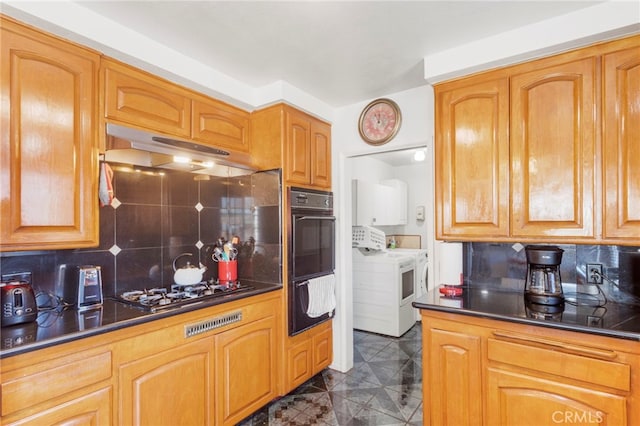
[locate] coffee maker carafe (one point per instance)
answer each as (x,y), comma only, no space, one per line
(543,284)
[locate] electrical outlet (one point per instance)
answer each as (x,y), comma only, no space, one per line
(594,273)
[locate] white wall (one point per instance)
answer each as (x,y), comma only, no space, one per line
(417,127)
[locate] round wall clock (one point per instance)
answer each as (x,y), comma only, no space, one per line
(379,121)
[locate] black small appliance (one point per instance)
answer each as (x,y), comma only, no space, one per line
(543,284)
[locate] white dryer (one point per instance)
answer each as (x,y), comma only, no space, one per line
(383,291)
(422,271)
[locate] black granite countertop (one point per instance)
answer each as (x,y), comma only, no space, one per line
(583,314)
(56,327)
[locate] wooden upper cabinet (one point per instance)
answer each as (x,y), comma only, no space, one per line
(320,154)
(135,97)
(298,149)
(621,144)
(472,159)
(307,150)
(220,125)
(48,140)
(553,136)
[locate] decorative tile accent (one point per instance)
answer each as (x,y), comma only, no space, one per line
(199,207)
(115,203)
(115,250)
(199,245)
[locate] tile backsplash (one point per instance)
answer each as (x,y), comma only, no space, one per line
(501,265)
(157,216)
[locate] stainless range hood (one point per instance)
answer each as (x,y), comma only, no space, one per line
(135,147)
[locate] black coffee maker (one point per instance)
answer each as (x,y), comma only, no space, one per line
(543,284)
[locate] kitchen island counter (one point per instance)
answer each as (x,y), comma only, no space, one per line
(610,319)
(54,327)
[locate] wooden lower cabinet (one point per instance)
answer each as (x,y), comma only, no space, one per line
(489,372)
(91,409)
(454,361)
(171,387)
(246,368)
(213,366)
(307,354)
(516,398)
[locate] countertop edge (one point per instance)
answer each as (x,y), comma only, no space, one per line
(528,321)
(144,317)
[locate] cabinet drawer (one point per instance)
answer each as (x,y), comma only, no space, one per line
(30,386)
(561,359)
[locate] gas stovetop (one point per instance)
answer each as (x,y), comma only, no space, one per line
(159,298)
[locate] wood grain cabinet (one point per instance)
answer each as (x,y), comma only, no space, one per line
(453,362)
(246,369)
(518,150)
(472,159)
(134,97)
(489,372)
(171,387)
(285,137)
(307,151)
(218,124)
(48,139)
(307,354)
(621,150)
(211,366)
(78,388)
(553,136)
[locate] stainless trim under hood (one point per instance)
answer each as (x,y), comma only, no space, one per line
(140,148)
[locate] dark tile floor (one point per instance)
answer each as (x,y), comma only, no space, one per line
(384,387)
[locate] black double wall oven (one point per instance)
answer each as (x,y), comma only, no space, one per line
(311,253)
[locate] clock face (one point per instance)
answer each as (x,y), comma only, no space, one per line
(379,121)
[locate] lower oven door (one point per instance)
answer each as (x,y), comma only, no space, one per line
(299,321)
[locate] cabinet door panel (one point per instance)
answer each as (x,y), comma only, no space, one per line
(241,390)
(220,125)
(299,360)
(322,349)
(621,119)
(181,375)
(553,130)
(454,370)
(518,399)
(472,156)
(142,100)
(49,157)
(298,164)
(91,409)
(321,155)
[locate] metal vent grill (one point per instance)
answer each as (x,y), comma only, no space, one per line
(204,326)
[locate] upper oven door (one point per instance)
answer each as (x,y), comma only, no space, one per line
(313,245)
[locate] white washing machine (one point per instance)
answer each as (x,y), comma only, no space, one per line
(422,271)
(383,290)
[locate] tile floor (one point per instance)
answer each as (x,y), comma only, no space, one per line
(384,387)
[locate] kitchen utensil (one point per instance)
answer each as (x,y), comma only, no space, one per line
(543,284)
(188,274)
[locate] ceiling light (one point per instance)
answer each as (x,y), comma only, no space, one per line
(181,159)
(419,155)
(208,164)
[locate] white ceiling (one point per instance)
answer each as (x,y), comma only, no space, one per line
(338,52)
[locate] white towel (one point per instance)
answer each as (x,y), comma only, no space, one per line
(322,298)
